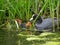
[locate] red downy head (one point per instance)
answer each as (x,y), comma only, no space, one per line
(28,24)
(18,21)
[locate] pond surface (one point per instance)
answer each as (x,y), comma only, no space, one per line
(13,38)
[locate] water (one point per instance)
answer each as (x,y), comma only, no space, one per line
(12,38)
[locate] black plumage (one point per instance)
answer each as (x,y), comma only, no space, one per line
(42,24)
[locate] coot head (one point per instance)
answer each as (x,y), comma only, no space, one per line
(38,20)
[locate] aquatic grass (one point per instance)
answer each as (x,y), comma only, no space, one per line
(52,5)
(57,13)
(24,8)
(41,11)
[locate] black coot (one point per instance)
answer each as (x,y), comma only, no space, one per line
(43,24)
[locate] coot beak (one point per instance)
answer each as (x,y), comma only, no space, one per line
(31,19)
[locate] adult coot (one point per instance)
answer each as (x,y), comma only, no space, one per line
(43,24)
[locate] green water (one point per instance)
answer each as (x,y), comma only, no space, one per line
(13,38)
(8,38)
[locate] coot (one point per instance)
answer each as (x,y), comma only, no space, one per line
(43,24)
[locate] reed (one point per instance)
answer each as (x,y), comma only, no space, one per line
(24,8)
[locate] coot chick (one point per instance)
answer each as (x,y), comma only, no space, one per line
(23,25)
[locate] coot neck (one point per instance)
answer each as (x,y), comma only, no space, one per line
(39,20)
